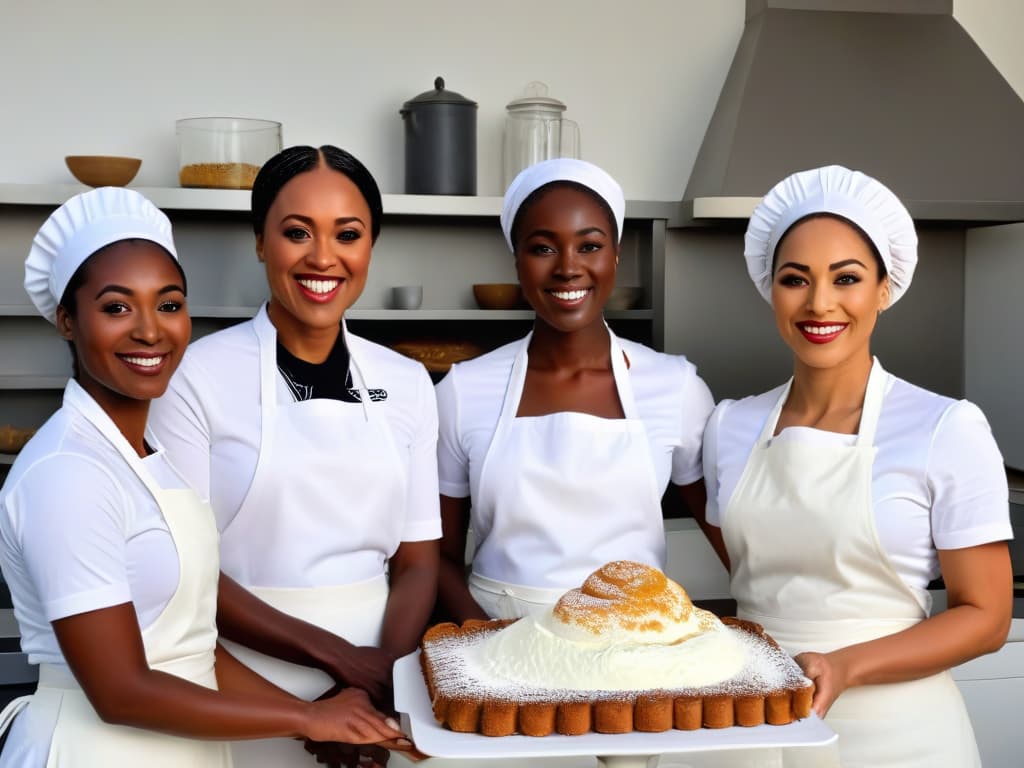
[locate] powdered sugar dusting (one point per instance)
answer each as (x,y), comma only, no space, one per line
(767,669)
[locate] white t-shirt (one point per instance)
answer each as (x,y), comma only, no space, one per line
(209,421)
(937,481)
(79,530)
(673,402)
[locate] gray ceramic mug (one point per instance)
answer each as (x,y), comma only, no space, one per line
(407,296)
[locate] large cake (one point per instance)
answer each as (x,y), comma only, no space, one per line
(626,651)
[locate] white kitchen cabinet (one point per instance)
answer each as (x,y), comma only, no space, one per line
(993,689)
(443,243)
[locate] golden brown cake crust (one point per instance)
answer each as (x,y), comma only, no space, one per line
(467,708)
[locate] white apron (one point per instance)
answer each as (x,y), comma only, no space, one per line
(59,727)
(328,475)
(560,495)
(808,565)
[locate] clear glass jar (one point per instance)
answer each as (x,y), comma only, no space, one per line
(224,152)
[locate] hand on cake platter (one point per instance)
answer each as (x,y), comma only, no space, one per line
(350,718)
(829,676)
(363,667)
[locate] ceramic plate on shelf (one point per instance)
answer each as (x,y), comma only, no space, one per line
(429,737)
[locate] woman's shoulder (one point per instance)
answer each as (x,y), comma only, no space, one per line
(643,357)
(752,409)
(67,447)
(916,409)
(488,367)
(219,345)
(384,360)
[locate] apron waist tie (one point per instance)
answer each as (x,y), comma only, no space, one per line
(504,600)
(518,591)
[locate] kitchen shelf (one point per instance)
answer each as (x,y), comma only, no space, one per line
(32,381)
(18,310)
(237,200)
(443,243)
(707,210)
(7,458)
(244,313)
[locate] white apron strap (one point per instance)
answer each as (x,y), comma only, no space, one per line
(623,384)
(11,711)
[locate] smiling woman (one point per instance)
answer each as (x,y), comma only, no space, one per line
(557,449)
(126,340)
(886,485)
(110,557)
(317,450)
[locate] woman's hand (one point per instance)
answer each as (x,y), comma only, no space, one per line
(829,676)
(361,666)
(350,718)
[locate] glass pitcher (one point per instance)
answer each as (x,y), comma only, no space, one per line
(535,130)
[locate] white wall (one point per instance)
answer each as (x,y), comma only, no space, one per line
(642,77)
(111,77)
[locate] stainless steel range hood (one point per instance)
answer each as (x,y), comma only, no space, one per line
(895,88)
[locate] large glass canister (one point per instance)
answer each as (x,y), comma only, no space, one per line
(535,130)
(224,152)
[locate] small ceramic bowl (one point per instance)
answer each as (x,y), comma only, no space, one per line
(103,170)
(624,297)
(407,296)
(497,295)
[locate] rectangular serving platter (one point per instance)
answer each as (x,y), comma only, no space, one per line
(430,737)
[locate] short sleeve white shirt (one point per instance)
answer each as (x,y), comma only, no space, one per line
(79,530)
(937,480)
(209,421)
(672,400)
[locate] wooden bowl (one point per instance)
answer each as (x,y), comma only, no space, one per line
(103,170)
(13,439)
(497,295)
(436,355)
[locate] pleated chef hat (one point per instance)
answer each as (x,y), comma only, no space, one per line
(581,172)
(850,194)
(79,228)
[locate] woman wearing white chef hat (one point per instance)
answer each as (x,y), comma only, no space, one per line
(316,448)
(843,493)
(556,449)
(110,558)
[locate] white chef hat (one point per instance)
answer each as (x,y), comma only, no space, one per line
(837,190)
(580,172)
(79,228)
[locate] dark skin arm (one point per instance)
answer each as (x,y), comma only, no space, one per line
(244,618)
(104,650)
(453,592)
(695,497)
(413,576)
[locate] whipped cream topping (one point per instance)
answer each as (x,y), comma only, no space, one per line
(545,652)
(627,628)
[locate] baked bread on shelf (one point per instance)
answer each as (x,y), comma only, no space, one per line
(626,651)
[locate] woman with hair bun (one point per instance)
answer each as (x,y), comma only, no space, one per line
(316,448)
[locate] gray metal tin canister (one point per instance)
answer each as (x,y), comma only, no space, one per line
(440,143)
